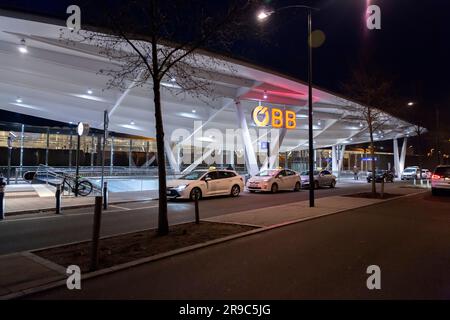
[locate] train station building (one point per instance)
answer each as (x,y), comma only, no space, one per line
(253,118)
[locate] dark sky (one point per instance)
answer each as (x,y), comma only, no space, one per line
(413,46)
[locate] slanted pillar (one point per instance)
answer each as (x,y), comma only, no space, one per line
(403,155)
(250,156)
(399,159)
(170,157)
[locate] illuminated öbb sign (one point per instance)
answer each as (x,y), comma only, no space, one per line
(277,118)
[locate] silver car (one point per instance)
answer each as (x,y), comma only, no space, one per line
(321,179)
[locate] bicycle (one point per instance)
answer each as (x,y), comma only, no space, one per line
(84,186)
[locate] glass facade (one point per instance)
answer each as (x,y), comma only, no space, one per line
(32,146)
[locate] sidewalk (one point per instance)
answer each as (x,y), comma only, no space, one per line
(282,214)
(20,273)
(30,198)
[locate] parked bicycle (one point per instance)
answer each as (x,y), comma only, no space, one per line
(84,186)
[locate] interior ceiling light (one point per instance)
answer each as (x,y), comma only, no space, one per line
(194,111)
(89,91)
(265,95)
(132,123)
(23,47)
(19,100)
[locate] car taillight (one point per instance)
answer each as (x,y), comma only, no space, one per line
(435,177)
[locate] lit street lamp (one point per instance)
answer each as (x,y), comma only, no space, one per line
(262,15)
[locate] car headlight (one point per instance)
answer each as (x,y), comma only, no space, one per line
(181,187)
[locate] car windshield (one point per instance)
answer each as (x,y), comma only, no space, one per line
(443,171)
(410,170)
(194,175)
(267,173)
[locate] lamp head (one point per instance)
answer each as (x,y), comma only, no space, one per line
(263,15)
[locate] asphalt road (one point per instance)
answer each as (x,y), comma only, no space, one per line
(39,231)
(408,239)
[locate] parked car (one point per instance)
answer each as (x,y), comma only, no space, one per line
(426,174)
(440,180)
(205,183)
(274,180)
(321,179)
(381,175)
(410,173)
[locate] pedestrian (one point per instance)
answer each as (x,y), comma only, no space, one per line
(355,173)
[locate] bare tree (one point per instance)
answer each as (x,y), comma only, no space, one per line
(155,41)
(371,91)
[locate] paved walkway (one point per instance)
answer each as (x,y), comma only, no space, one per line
(300,210)
(33,272)
(29,198)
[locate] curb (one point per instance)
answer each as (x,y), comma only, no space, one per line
(175,252)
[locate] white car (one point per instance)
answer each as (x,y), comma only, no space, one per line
(410,173)
(426,174)
(273,180)
(321,179)
(205,183)
(440,180)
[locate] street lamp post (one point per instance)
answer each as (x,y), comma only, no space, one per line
(262,15)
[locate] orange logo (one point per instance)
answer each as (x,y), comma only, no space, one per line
(262,116)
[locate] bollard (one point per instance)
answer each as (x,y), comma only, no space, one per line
(96,233)
(105,195)
(2,199)
(58,199)
(197,214)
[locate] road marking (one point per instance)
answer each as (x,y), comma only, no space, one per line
(119,207)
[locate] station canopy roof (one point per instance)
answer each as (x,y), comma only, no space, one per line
(53,78)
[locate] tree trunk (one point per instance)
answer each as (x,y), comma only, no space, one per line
(163,223)
(372,155)
(419,151)
(372,152)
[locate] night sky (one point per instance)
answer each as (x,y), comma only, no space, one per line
(412,48)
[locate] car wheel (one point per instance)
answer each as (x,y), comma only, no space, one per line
(235,190)
(274,188)
(333,184)
(297,186)
(195,192)
(316,184)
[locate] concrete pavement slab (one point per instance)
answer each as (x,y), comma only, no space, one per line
(22,271)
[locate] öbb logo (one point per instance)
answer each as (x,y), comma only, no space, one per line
(277,118)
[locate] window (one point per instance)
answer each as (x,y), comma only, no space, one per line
(282,173)
(212,175)
(325,172)
(194,175)
(225,174)
(290,173)
(443,171)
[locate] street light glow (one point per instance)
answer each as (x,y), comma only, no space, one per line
(262,15)
(410,104)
